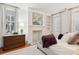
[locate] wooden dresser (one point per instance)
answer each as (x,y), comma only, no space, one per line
(13,41)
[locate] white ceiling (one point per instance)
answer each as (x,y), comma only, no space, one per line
(46,7)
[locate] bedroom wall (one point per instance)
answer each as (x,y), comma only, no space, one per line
(65,26)
(51,8)
(23,20)
(68,17)
(67,20)
(74,17)
(32,27)
(1,41)
(23,16)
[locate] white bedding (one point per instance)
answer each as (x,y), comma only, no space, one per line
(66,45)
(60,49)
(64,49)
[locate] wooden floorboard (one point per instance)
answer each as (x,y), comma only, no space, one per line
(2,52)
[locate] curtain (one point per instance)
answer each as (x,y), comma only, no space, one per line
(75,21)
(56,23)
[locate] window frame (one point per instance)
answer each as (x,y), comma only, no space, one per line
(73,15)
(10,14)
(59,16)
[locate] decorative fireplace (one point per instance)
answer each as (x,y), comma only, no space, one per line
(37,34)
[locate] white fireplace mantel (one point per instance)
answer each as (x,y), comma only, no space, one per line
(36,31)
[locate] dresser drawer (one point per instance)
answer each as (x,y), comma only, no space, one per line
(13,41)
(8,47)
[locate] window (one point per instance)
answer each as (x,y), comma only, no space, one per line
(56,23)
(10,21)
(75,21)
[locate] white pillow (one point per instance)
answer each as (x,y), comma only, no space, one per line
(67,36)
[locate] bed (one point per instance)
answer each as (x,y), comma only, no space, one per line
(61,48)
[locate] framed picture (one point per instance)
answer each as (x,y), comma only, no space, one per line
(37,19)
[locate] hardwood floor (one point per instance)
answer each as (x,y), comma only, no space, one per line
(2,52)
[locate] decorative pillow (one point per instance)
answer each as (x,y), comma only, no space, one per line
(66,37)
(60,36)
(48,40)
(74,39)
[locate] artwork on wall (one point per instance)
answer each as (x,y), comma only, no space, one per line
(37,19)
